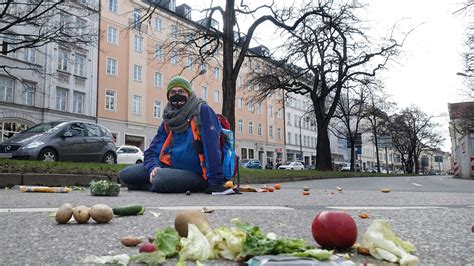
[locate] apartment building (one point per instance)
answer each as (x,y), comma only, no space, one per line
(135,64)
(49,82)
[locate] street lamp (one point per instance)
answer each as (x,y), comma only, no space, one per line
(301,143)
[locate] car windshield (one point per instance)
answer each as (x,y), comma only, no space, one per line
(47,127)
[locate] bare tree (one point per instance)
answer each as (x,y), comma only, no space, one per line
(349,116)
(377,108)
(331,48)
(413,132)
(34,24)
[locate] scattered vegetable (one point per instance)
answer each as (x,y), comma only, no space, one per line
(385,190)
(131,241)
(104,188)
(383,244)
(363,215)
(339,189)
(362,250)
(334,229)
(229,184)
(270,189)
(147,248)
(81,214)
(277,186)
(64,213)
(305,193)
(305,188)
(195,217)
(134,209)
(101,213)
(188,193)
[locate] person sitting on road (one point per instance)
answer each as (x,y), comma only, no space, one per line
(185,154)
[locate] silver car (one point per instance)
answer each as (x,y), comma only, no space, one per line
(62,141)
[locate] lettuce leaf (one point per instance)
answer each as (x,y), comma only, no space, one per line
(383,244)
(166,241)
(195,246)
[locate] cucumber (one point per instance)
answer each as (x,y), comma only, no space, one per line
(134,209)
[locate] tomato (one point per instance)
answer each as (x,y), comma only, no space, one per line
(334,230)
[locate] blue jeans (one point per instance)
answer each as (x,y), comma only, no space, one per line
(167,180)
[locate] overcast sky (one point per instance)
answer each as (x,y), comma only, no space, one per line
(425,75)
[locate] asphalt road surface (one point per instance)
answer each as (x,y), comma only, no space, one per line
(435,213)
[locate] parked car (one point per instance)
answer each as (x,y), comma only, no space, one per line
(292,166)
(251,164)
(347,167)
(129,155)
(62,141)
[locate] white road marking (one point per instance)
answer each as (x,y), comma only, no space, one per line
(385,207)
(168,208)
(416,184)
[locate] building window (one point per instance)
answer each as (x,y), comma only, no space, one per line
(270,111)
(217,96)
(259,129)
(259,108)
(203,68)
(61,99)
(216,73)
(250,107)
(138,43)
(158,24)
(137,104)
(112,35)
(81,26)
(111,68)
(158,80)
(174,57)
(113,6)
(78,102)
(240,102)
(189,63)
(204,92)
(79,64)
(250,128)
(137,19)
(30,55)
(28,94)
(270,131)
(110,100)
(156,109)
(288,119)
(240,126)
(174,31)
(64,21)
(137,73)
(251,154)
(63,56)
(243,153)
(6,89)
(158,51)
(296,139)
(289,138)
(279,133)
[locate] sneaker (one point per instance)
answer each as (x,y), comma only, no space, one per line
(215,188)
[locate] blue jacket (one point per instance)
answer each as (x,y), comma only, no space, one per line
(183,155)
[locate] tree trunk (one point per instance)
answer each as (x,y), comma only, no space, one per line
(228,76)
(323,148)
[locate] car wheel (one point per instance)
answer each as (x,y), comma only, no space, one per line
(109,158)
(138,161)
(48,155)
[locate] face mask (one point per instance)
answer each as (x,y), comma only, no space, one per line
(178,100)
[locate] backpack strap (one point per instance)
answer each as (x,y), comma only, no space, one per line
(197,117)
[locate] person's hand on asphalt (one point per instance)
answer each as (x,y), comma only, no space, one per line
(153,174)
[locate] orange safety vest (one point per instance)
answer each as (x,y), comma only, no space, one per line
(166,158)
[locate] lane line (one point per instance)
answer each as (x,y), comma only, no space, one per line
(166,208)
(416,184)
(385,207)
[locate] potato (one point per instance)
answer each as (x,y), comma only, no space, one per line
(101,213)
(81,214)
(195,217)
(64,213)
(130,241)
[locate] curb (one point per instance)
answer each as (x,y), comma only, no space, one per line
(33,179)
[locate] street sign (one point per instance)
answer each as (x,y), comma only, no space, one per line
(438,158)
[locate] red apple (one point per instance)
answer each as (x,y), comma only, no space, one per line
(147,248)
(334,230)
